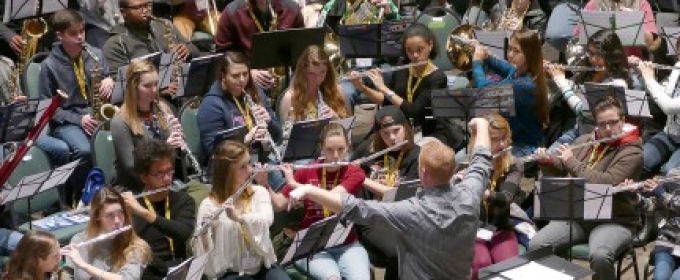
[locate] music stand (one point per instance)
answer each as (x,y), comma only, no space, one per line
(20,9)
(166,69)
(327,233)
(627,25)
(35,184)
(634,102)
(378,40)
(671,34)
(201,72)
(121,76)
(403,191)
(571,199)
(17,119)
(303,140)
(235,134)
(467,103)
(495,41)
(543,257)
(179,272)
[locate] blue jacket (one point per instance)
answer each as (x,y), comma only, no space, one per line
(57,73)
(527,129)
(219,112)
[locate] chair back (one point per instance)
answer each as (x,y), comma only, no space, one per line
(441,21)
(103,152)
(35,161)
(30,78)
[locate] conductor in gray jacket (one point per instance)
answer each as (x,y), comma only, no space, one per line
(436,229)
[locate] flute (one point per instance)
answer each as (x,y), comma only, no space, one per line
(272,168)
(103,237)
(213,217)
(139,195)
(535,157)
(574,68)
(364,74)
(673,174)
(660,66)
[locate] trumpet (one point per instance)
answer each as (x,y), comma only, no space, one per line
(103,237)
(261,122)
(360,161)
(203,227)
(364,74)
(549,153)
(192,159)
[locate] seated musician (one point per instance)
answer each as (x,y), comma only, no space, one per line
(314,92)
(225,107)
(143,34)
(100,17)
(239,237)
(122,257)
(524,71)
(165,220)
(350,260)
(663,147)
(610,162)
(409,89)
(190,19)
(141,117)
(343,11)
(71,67)
(37,257)
(604,50)
(399,165)
(504,185)
(425,225)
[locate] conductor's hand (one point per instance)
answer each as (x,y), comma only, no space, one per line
(17,44)
(300,192)
(262,78)
(89,124)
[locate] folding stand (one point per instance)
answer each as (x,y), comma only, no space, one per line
(627,25)
(36,184)
(327,233)
(635,102)
(473,102)
(571,200)
(403,191)
(17,120)
(20,9)
(671,34)
(121,76)
(543,257)
(190,269)
(303,140)
(372,40)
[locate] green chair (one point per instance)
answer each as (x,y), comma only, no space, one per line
(30,78)
(103,152)
(441,26)
(187,119)
(203,41)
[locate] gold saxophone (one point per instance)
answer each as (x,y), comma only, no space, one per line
(509,16)
(278,73)
(171,41)
(31,32)
(100,110)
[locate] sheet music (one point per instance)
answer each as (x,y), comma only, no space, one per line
(597,202)
(339,235)
(637,103)
(178,272)
(493,40)
(165,70)
(628,26)
(535,271)
(197,266)
(41,182)
(672,34)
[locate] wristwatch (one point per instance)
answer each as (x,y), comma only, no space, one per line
(388,95)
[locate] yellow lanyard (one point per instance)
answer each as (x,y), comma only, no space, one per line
(257,22)
(392,171)
(79,69)
(167,216)
(312,110)
(326,212)
(245,112)
(348,7)
(246,209)
(410,91)
(595,157)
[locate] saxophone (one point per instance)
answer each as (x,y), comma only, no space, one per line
(167,116)
(31,32)
(171,41)
(260,122)
(100,111)
(362,12)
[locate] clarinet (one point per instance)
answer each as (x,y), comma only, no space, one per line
(185,148)
(261,122)
(203,227)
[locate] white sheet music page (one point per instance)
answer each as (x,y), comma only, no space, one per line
(339,235)
(197,266)
(535,271)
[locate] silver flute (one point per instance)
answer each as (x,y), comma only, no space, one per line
(261,122)
(575,68)
(209,220)
(672,175)
(103,237)
(271,168)
(549,153)
(185,148)
(364,74)
(142,194)
(660,66)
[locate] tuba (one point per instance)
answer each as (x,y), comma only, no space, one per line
(32,31)
(100,110)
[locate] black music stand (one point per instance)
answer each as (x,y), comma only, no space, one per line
(201,72)
(543,257)
(17,119)
(303,140)
(372,40)
(35,184)
(495,41)
(20,9)
(327,233)
(235,134)
(571,199)
(166,69)
(468,103)
(635,102)
(403,191)
(627,25)
(671,35)
(121,76)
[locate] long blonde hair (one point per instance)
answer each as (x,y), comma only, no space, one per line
(225,159)
(501,164)
(314,55)
(129,109)
(127,246)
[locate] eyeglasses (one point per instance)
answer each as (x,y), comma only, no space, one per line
(160,175)
(140,7)
(606,124)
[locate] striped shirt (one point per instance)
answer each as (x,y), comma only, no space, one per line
(436,229)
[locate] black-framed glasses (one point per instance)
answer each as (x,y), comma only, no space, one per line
(160,175)
(146,6)
(610,123)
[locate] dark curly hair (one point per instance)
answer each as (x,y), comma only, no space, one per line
(150,151)
(610,48)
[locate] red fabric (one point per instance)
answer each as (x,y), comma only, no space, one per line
(503,245)
(351,178)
